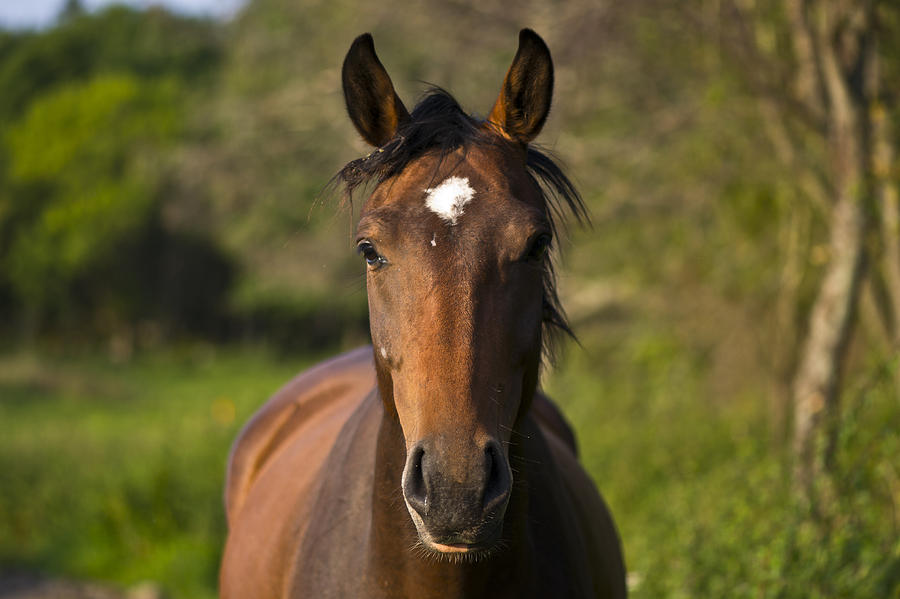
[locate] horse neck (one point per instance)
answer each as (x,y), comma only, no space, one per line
(399,565)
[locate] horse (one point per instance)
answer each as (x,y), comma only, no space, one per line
(430,464)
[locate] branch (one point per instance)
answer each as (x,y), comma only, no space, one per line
(813,186)
(767,76)
(886,193)
(808,82)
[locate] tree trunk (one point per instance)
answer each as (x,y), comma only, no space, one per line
(889,209)
(816,384)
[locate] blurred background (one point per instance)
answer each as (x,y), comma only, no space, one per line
(169,258)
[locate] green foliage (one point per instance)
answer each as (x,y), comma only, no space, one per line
(148,44)
(91,110)
(76,150)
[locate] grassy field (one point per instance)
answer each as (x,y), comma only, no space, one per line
(114,472)
(700,486)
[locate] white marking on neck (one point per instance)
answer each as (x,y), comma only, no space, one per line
(448,199)
(433,239)
(383,353)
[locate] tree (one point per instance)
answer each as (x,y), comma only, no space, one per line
(78,185)
(91,111)
(70,10)
(813,64)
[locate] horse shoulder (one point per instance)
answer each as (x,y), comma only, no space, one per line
(595,519)
(294,406)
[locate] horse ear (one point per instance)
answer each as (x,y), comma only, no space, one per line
(372,103)
(524,101)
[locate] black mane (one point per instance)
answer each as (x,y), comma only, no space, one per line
(438,124)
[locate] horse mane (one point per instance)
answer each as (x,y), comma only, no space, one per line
(438,125)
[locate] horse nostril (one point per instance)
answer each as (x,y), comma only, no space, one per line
(414,488)
(497,487)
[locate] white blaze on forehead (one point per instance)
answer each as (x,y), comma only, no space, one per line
(448,199)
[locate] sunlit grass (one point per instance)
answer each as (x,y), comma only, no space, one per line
(115,472)
(700,487)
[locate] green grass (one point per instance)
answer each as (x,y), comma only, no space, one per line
(115,472)
(700,486)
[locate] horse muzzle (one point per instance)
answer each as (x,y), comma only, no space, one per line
(457,499)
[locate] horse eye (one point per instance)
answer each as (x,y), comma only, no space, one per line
(538,248)
(373,258)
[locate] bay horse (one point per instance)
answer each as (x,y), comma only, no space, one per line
(429,464)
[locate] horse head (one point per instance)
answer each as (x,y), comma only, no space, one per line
(455,236)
